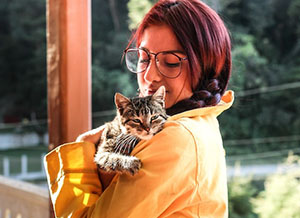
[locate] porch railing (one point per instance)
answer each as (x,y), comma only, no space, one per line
(19,199)
(25,172)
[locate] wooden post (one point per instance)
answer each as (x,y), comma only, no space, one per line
(68,69)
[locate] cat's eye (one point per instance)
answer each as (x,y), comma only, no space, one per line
(129,111)
(154,117)
(136,120)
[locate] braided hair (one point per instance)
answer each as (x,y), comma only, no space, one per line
(209,95)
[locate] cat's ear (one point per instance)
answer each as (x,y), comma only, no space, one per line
(160,95)
(121,101)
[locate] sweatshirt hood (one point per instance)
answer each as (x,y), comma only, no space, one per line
(225,103)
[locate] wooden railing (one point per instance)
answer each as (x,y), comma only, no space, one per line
(22,200)
(25,173)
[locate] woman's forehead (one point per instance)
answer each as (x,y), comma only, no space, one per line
(156,38)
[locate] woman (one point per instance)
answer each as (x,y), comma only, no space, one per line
(184,171)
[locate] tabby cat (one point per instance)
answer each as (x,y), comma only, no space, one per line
(137,118)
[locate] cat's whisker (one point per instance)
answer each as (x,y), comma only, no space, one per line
(117,144)
(123,143)
(132,138)
(117,148)
(131,144)
(137,140)
(124,147)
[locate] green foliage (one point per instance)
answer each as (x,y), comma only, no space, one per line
(108,54)
(106,83)
(23,58)
(247,63)
(281,195)
(265,38)
(240,192)
(108,72)
(109,42)
(137,10)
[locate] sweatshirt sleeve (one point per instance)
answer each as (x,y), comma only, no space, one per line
(72,178)
(166,180)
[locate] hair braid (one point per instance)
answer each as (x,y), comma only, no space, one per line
(209,94)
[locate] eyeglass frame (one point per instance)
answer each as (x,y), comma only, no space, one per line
(155,56)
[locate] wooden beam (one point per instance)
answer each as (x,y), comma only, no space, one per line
(68,69)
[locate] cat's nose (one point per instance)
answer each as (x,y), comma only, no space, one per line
(147,129)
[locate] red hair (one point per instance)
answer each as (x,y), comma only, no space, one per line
(203,36)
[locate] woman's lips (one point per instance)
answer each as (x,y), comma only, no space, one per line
(151,91)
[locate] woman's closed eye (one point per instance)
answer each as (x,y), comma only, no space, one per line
(171,65)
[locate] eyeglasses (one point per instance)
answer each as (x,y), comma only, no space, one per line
(168,63)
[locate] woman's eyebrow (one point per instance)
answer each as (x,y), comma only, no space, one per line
(170,51)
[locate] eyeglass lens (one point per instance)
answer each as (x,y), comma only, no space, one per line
(168,64)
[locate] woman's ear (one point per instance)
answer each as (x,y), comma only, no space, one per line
(160,95)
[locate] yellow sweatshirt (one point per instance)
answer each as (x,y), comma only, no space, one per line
(183,174)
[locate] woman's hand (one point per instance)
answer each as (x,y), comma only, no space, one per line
(93,136)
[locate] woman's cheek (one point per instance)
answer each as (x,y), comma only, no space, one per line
(140,84)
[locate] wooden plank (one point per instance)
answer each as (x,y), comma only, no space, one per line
(25,199)
(68,69)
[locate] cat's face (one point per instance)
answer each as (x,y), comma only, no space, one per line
(142,116)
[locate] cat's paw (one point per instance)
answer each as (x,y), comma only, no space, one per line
(134,166)
(111,162)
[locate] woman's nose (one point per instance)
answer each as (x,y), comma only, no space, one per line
(152,74)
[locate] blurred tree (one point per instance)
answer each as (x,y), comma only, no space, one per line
(265,38)
(104,82)
(23,59)
(281,195)
(110,37)
(240,193)
(137,10)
